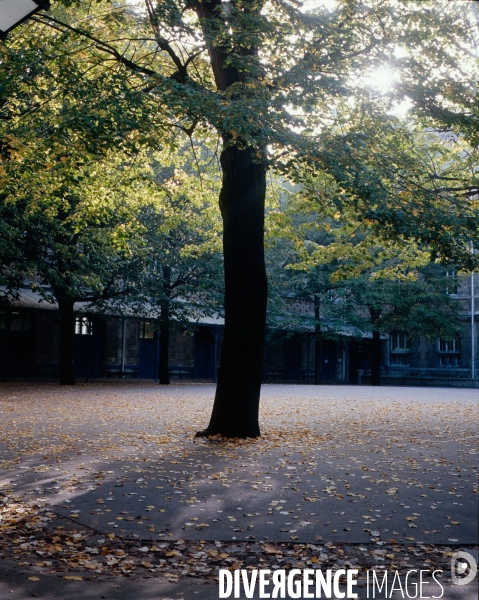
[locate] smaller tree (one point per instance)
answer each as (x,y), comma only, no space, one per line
(67,211)
(184,266)
(291,277)
(78,243)
(357,282)
(417,303)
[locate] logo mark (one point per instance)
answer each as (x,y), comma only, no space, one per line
(463,568)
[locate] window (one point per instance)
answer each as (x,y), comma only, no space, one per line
(451,287)
(147,330)
(399,359)
(449,361)
(17,321)
(83,326)
(399,342)
(449,346)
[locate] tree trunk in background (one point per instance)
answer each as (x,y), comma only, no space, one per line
(163,371)
(242,197)
(317,343)
(67,341)
(376,359)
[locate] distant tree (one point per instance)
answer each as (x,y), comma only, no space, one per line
(314,284)
(78,243)
(356,283)
(417,303)
(67,219)
(184,265)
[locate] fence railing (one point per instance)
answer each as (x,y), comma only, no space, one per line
(443,367)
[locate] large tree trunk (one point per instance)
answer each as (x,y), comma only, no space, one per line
(67,341)
(376,359)
(163,371)
(236,406)
(318,343)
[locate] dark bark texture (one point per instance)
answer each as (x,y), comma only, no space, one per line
(163,370)
(67,341)
(242,199)
(236,406)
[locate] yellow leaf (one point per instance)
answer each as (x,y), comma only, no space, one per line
(73,577)
(268,549)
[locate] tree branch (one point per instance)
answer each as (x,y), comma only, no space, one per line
(162,43)
(103,46)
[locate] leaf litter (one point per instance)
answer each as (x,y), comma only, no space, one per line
(44,429)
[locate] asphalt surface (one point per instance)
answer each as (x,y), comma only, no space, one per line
(355,465)
(15,584)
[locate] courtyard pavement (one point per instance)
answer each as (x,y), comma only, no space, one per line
(107,480)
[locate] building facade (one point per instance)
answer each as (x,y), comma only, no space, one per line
(112,345)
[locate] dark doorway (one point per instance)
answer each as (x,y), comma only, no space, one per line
(88,348)
(149,353)
(292,358)
(328,361)
(148,359)
(204,353)
(16,348)
(359,358)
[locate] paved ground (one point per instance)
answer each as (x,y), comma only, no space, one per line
(17,585)
(104,478)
